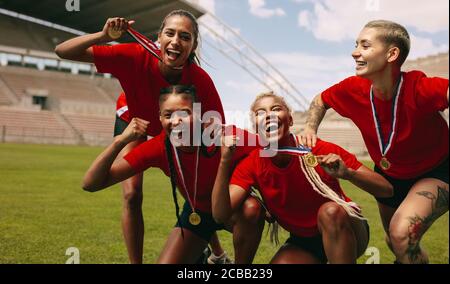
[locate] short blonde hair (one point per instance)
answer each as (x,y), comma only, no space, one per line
(395,34)
(270,94)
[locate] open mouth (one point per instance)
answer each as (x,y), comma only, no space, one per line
(272,128)
(173,54)
(177,133)
(360,64)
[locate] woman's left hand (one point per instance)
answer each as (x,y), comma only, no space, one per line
(333,165)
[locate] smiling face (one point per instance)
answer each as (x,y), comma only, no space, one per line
(176,116)
(272,119)
(371,54)
(178,40)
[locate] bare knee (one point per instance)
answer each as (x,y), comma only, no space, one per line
(133,197)
(332,218)
(252,211)
(399,237)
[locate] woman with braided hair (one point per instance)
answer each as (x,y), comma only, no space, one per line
(301,194)
(191,168)
(142,74)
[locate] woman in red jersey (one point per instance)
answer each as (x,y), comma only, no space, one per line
(399,116)
(191,168)
(141,76)
(305,199)
(217,253)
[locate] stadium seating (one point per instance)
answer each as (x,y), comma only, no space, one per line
(28,126)
(83,112)
(58,84)
(95,130)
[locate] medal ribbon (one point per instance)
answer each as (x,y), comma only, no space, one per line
(324,190)
(181,175)
(384,148)
(299,150)
(149,45)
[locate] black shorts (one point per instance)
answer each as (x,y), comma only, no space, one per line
(205,229)
(402,186)
(314,245)
(119,126)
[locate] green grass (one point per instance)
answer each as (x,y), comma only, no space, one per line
(43,211)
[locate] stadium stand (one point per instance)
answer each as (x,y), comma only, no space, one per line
(67,96)
(95,130)
(60,85)
(29,126)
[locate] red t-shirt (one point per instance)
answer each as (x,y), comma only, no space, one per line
(152,153)
(420,141)
(122,108)
(288,195)
(138,73)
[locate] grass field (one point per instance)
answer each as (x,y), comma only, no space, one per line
(44,211)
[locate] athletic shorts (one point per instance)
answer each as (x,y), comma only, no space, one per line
(314,245)
(402,186)
(205,229)
(119,126)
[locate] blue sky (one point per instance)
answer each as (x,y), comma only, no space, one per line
(310,41)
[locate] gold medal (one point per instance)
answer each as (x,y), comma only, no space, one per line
(385,164)
(114,34)
(194,219)
(310,160)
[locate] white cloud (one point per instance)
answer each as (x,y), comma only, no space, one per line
(311,74)
(304,19)
(337,20)
(422,47)
(257,8)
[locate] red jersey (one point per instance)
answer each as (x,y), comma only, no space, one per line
(138,73)
(288,195)
(152,153)
(122,108)
(420,139)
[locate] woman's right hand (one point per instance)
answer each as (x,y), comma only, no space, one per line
(114,28)
(228,146)
(136,129)
(308,137)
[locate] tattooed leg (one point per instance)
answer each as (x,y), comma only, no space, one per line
(425,203)
(386,213)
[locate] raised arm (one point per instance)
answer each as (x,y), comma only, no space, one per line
(106,170)
(225,197)
(363,177)
(80,48)
(315,114)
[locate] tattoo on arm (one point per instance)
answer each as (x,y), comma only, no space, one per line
(316,113)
